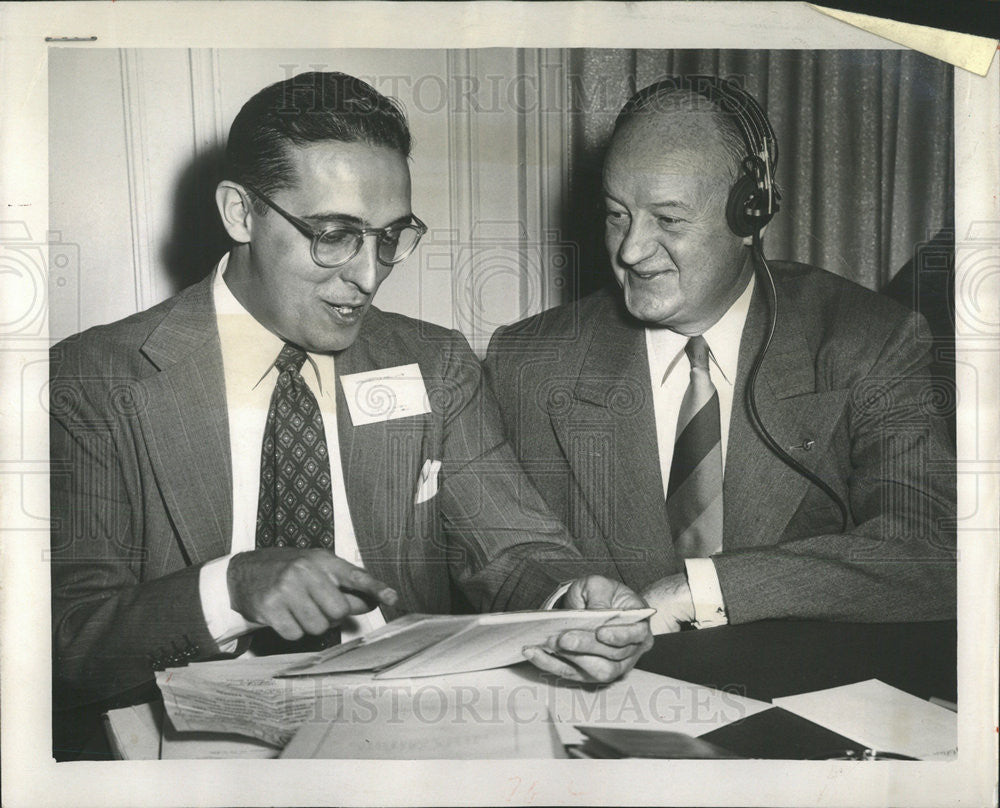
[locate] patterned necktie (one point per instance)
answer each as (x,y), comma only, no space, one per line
(694,493)
(295,505)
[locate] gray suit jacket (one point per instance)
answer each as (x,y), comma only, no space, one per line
(847,370)
(141,489)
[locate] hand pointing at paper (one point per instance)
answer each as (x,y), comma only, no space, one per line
(595,656)
(298,592)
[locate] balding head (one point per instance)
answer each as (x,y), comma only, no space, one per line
(675,144)
(683,113)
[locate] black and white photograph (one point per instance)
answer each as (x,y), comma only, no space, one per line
(584,423)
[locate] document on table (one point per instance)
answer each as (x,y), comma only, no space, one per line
(142,732)
(643,700)
(513,712)
(447,720)
(385,646)
(504,712)
(426,645)
(175,745)
(243,697)
(882,718)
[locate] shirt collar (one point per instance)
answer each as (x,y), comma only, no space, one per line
(724,337)
(249,350)
(666,347)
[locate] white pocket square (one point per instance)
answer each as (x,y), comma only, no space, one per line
(427,484)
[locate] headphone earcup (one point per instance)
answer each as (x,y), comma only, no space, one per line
(741,197)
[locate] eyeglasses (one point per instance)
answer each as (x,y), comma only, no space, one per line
(336,245)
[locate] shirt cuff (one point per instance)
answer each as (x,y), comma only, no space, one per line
(709,607)
(224,624)
(555,597)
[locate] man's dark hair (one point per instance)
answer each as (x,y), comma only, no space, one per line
(308,108)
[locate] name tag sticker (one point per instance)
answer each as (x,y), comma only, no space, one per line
(385,394)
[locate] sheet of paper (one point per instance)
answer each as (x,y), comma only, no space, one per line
(648,743)
(385,394)
(642,700)
(438,645)
(639,700)
(882,717)
(421,723)
(498,640)
(382,648)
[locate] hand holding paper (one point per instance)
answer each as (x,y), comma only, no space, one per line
(603,654)
(672,599)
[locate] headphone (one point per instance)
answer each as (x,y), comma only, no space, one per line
(752,203)
(753,200)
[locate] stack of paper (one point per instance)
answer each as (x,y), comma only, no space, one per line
(142,732)
(243,697)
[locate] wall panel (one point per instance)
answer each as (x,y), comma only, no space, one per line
(137,140)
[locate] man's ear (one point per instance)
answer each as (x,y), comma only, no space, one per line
(234,209)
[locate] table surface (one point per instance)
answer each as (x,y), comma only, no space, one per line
(774,658)
(762,661)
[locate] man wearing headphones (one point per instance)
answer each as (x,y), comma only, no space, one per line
(737,444)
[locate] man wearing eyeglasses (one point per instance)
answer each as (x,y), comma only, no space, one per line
(267,458)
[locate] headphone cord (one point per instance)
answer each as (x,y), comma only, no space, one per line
(762,269)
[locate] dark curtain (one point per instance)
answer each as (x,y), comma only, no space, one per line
(865,144)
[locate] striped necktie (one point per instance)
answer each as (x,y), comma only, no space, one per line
(694,493)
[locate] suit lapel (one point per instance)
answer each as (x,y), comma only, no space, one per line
(793,413)
(379,461)
(184,417)
(609,440)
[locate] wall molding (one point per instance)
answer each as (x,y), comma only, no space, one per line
(206,99)
(543,162)
(134,119)
(463,193)
(462,180)
(507,180)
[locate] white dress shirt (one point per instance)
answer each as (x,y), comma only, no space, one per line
(669,373)
(248,354)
